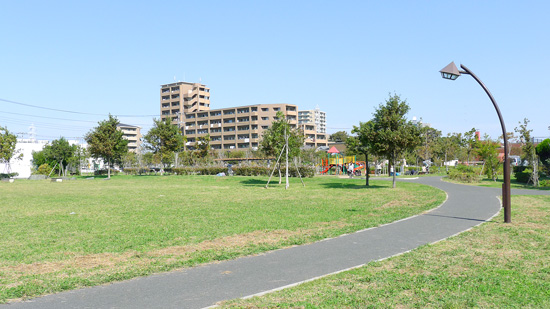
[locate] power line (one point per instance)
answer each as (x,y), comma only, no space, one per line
(55,118)
(72,112)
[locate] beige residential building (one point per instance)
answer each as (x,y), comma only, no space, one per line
(132,134)
(236,127)
(312,138)
(315,117)
(188,105)
(182,97)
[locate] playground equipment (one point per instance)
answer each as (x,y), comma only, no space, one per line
(338,164)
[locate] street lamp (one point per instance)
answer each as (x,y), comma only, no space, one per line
(451,72)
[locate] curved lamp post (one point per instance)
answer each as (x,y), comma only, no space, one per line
(451,72)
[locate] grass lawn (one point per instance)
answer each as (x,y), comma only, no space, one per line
(493,265)
(61,236)
(487,182)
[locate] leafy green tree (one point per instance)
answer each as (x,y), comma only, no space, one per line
(273,139)
(543,151)
(340,136)
(392,134)
(164,139)
(8,142)
(487,151)
(428,148)
(203,145)
(361,144)
(106,141)
(528,149)
(62,152)
(470,143)
(448,146)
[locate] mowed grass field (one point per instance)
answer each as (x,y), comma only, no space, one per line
(61,236)
(494,265)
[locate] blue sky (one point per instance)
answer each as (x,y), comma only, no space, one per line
(100,57)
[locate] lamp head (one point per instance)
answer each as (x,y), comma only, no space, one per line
(450,71)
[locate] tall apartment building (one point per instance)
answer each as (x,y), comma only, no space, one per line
(316,117)
(179,98)
(235,127)
(188,105)
(132,134)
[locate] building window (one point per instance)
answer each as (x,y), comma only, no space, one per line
(266,118)
(265,109)
(265,127)
(276,109)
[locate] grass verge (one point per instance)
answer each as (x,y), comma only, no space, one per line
(489,183)
(61,236)
(493,265)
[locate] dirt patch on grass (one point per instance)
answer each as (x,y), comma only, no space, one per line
(106,262)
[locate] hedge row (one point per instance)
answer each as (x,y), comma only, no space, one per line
(305,171)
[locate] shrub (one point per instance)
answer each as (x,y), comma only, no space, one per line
(136,171)
(544,183)
(44,169)
(10,175)
(305,171)
(522,174)
(104,172)
(464,173)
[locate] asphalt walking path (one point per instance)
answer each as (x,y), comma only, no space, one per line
(203,286)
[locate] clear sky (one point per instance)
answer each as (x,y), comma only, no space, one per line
(101,57)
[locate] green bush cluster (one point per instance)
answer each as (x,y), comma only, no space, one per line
(44,169)
(10,175)
(544,183)
(137,171)
(464,173)
(104,172)
(305,171)
(522,174)
(204,170)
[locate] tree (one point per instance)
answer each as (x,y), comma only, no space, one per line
(164,139)
(8,143)
(469,142)
(448,146)
(340,136)
(106,141)
(391,133)
(428,148)
(543,151)
(487,151)
(273,139)
(62,153)
(360,144)
(528,148)
(203,145)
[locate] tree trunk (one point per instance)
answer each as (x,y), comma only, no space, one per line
(367,169)
(280,176)
(108,170)
(393,165)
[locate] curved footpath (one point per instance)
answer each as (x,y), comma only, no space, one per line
(203,286)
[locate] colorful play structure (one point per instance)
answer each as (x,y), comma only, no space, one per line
(337,164)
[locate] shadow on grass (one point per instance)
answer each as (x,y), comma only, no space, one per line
(251,182)
(336,185)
